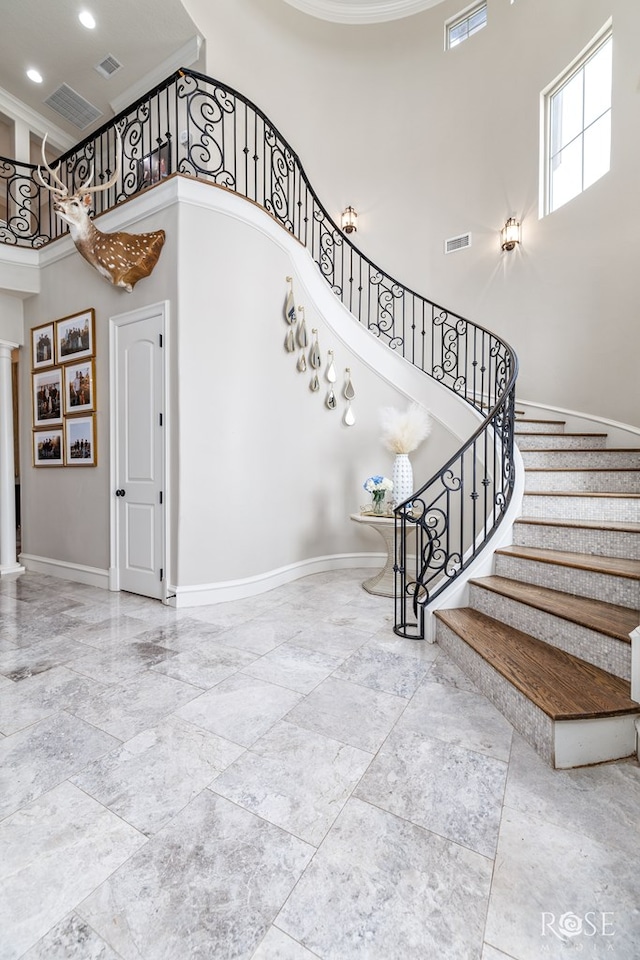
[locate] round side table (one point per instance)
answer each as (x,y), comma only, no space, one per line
(382,584)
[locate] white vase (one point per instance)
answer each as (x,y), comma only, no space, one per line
(402,478)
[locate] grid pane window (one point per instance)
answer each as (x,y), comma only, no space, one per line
(596,157)
(462,28)
(597,84)
(579,127)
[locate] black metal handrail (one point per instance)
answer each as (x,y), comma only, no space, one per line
(196,126)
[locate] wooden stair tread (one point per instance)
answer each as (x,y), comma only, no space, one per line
(537,420)
(616,566)
(562,686)
(615,526)
(609,619)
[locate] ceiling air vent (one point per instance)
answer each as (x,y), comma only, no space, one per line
(73,107)
(457,243)
(107,67)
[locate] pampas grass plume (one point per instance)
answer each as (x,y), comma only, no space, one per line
(404,430)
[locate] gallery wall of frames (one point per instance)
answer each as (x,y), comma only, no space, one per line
(63,387)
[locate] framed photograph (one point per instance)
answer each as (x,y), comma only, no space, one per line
(47,397)
(75,337)
(79,387)
(80,442)
(155,166)
(47,448)
(42,346)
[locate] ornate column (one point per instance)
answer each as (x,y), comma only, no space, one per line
(8,554)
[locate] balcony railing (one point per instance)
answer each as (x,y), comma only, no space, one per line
(198,127)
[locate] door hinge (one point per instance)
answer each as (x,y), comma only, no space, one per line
(161,496)
(160,415)
(160,339)
(161,574)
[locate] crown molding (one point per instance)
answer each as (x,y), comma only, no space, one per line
(361,11)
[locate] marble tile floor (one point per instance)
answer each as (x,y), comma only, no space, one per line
(285,779)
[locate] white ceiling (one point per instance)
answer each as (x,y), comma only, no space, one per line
(362,11)
(150,38)
(143,35)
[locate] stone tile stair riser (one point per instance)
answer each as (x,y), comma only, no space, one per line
(579,583)
(611,655)
(537,426)
(582,508)
(559,441)
(599,543)
(587,481)
(581,459)
(530,722)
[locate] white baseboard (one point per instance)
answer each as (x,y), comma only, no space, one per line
(206,593)
(76,572)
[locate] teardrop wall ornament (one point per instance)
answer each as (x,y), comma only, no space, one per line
(290,304)
(331,403)
(349,392)
(331,368)
(301,335)
(302,363)
(314,386)
(315,358)
(289,341)
(349,416)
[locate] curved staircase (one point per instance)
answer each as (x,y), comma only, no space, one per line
(546,638)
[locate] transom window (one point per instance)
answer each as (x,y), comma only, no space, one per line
(578,124)
(466,24)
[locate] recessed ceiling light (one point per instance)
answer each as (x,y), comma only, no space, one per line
(86,19)
(34,75)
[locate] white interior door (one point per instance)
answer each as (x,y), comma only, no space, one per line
(138,449)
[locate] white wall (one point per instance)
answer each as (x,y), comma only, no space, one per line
(427,144)
(65,511)
(261,474)
(11,319)
(267,474)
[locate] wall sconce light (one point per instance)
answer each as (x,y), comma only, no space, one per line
(349,220)
(510,234)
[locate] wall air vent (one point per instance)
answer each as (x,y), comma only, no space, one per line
(73,107)
(454,244)
(107,67)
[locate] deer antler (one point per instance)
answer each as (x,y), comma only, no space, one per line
(86,189)
(63,190)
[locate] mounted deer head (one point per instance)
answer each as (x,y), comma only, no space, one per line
(123,258)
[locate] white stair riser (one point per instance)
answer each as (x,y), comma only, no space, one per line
(558,441)
(564,744)
(581,459)
(598,543)
(605,652)
(588,481)
(580,743)
(580,583)
(619,509)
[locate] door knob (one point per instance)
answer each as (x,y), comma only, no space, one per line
(120,493)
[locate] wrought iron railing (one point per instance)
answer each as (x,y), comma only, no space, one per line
(196,126)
